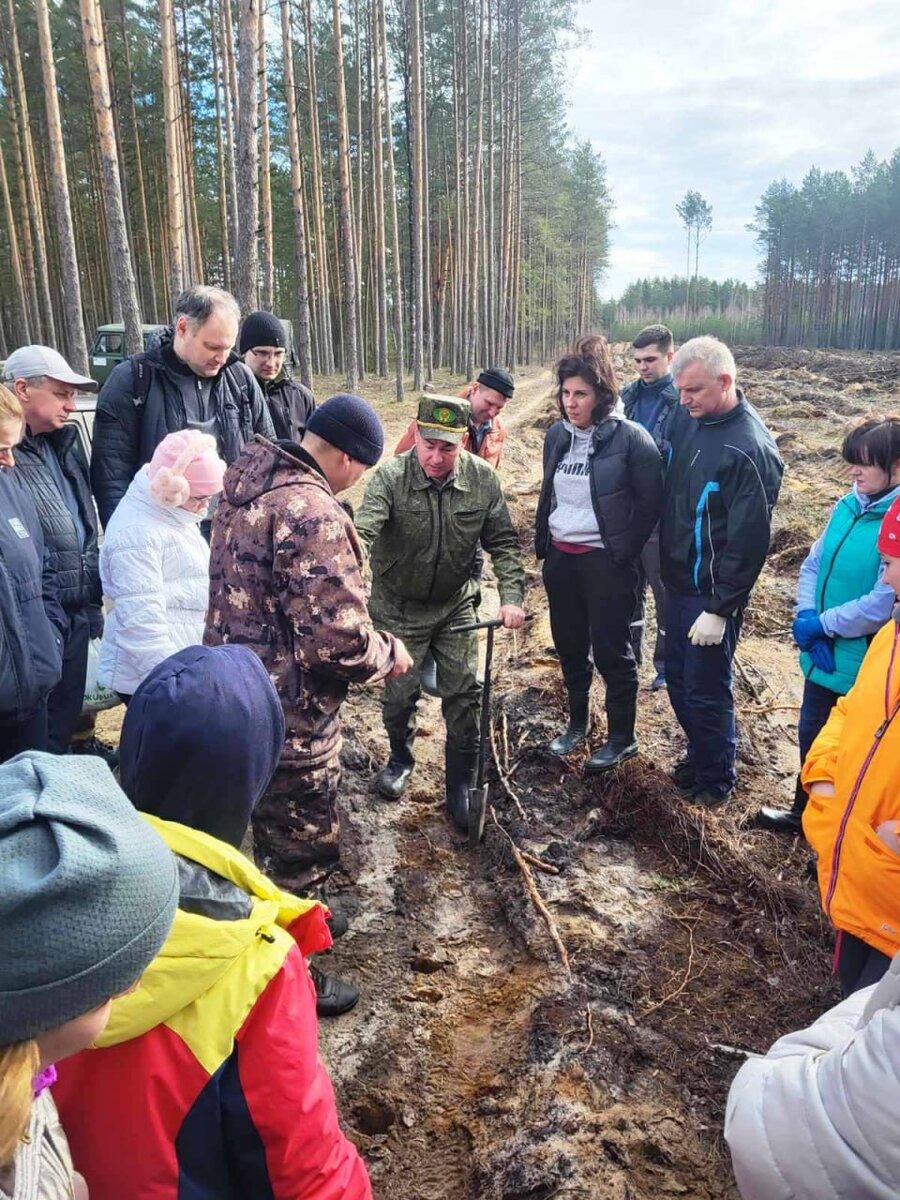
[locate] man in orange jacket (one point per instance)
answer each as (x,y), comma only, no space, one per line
(853,779)
(487,397)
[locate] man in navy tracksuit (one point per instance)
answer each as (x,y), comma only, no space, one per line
(651,400)
(721,486)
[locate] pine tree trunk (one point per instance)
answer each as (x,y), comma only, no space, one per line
(229,103)
(348,258)
(186,134)
(92,31)
(43,316)
(247,250)
(267,288)
(23,328)
(70,286)
(428,312)
(378,221)
(145,256)
(171,104)
(302,340)
(415,190)
(224,215)
(321,242)
(396,276)
(475,234)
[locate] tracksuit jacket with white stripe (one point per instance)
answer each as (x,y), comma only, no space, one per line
(722,483)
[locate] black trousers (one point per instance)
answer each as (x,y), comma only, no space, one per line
(591,606)
(30,734)
(857,963)
(67,698)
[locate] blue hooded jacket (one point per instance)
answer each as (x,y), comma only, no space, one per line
(202,738)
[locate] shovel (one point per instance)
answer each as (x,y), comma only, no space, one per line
(478,793)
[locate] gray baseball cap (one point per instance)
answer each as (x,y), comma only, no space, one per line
(28,362)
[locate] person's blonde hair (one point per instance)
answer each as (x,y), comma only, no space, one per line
(10,408)
(19,1064)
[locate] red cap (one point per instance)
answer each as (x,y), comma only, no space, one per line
(889,534)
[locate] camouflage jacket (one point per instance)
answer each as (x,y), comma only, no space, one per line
(286,580)
(421,541)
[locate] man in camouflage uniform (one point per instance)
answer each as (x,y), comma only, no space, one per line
(286,580)
(422,517)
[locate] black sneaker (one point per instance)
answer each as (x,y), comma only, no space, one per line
(684,775)
(707,799)
(337,924)
(333,996)
(659,682)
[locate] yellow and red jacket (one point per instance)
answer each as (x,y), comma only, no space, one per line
(858,751)
(206,1082)
(491,448)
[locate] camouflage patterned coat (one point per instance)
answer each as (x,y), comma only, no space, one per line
(286,580)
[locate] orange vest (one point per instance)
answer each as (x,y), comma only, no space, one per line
(858,751)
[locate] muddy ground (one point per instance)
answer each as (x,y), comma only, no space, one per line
(476,1065)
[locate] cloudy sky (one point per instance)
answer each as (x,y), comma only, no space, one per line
(725,98)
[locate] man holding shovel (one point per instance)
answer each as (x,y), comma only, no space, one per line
(422,517)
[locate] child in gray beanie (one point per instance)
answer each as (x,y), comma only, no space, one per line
(87,896)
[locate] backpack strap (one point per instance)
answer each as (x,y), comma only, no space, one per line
(140,379)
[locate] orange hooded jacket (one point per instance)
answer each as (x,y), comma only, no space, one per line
(858,750)
(491,448)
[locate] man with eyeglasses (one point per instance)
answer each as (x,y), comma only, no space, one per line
(263,346)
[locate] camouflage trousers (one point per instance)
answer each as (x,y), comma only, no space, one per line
(296,825)
(422,627)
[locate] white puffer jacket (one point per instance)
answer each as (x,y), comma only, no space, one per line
(816,1118)
(154,564)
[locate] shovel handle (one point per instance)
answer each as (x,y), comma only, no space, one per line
(493,623)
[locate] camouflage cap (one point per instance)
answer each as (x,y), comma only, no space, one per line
(445,418)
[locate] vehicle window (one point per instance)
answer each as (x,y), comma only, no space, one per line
(112,343)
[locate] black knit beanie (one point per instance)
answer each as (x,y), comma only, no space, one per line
(261,329)
(352,425)
(501,381)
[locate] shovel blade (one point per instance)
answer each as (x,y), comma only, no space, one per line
(477,810)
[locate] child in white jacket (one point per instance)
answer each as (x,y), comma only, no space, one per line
(154,561)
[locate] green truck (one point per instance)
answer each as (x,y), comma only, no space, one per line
(108,348)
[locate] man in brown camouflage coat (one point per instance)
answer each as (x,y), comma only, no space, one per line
(286,580)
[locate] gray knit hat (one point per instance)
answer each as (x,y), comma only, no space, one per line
(88,891)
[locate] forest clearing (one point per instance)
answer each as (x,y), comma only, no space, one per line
(475,1066)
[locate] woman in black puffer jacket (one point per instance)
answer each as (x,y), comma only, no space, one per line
(30,644)
(600,499)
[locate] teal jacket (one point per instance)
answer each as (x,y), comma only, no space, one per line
(847,568)
(421,541)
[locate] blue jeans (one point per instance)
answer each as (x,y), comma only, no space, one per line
(699,683)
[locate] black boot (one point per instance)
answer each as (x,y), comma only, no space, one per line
(333,996)
(783,820)
(461,767)
(392,779)
(620,743)
(579,718)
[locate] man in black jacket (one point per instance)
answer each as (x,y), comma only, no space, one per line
(651,401)
(263,346)
(721,486)
(51,464)
(189,379)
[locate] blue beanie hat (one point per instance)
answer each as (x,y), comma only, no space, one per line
(352,425)
(87,892)
(202,738)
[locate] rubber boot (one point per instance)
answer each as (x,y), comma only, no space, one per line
(428,675)
(784,820)
(620,743)
(579,719)
(461,768)
(392,779)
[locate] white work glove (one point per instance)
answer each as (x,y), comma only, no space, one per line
(707,630)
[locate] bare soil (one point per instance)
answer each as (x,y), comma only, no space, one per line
(476,1066)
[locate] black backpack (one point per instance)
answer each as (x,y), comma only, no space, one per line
(141,375)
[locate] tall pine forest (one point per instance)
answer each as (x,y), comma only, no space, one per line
(394,176)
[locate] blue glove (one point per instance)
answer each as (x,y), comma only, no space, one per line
(807,627)
(821,652)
